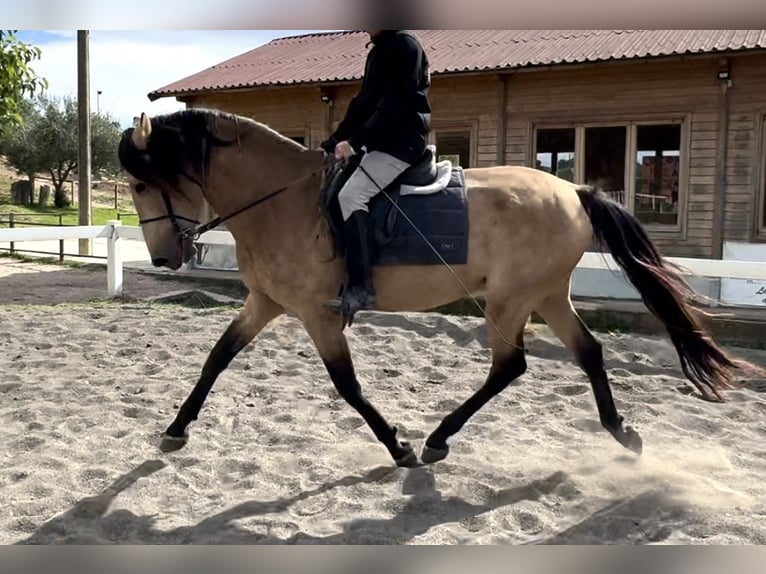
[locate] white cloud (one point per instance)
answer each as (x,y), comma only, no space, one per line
(126,66)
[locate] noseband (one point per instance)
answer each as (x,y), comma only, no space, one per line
(171,215)
(197,229)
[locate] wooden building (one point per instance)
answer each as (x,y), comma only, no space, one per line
(670,122)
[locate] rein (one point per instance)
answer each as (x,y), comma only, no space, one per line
(195,232)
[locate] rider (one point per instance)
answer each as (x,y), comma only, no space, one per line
(391,118)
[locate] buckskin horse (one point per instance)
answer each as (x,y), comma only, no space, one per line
(512,233)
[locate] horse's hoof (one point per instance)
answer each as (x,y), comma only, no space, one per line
(630,439)
(432,455)
(173,443)
(407,458)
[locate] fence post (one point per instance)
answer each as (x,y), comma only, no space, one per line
(11,225)
(61,241)
(114,260)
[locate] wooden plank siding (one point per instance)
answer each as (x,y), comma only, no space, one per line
(686,90)
(293,112)
(470,103)
(743,207)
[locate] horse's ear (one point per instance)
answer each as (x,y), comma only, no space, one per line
(142,132)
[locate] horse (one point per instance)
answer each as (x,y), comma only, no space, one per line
(517,235)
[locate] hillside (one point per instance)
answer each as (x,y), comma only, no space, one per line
(103,201)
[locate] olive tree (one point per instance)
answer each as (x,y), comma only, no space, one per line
(48,143)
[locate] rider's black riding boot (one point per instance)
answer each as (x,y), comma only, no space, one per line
(358,291)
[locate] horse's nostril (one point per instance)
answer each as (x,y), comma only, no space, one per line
(159,261)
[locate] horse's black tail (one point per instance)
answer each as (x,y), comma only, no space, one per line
(664,291)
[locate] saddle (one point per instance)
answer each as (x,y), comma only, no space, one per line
(427,199)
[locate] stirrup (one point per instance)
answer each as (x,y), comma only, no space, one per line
(348,304)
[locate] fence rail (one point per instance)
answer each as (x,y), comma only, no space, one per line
(14,220)
(116,233)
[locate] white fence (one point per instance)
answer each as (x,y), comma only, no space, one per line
(116,233)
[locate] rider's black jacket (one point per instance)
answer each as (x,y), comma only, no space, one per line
(391,113)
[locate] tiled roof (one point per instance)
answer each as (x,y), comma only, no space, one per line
(340,56)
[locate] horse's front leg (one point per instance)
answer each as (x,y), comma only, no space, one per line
(325,330)
(258,311)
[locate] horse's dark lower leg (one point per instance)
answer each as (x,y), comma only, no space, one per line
(258,311)
(590,356)
(325,329)
(224,351)
(345,381)
(561,316)
(504,370)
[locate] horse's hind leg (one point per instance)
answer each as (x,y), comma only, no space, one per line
(257,312)
(508,363)
(325,331)
(561,316)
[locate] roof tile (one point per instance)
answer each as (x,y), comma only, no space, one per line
(340,56)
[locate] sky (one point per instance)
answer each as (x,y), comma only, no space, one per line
(126,65)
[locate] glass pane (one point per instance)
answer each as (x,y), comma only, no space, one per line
(299,139)
(658,155)
(763,171)
(454,146)
(605,160)
(555,152)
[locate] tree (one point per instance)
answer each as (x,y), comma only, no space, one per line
(17,79)
(19,146)
(48,143)
(105,133)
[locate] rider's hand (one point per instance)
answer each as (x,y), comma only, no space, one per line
(328,145)
(343,151)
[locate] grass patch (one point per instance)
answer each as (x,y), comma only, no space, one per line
(31,216)
(49,215)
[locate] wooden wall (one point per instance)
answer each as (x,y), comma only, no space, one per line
(687,89)
(745,154)
(627,92)
(293,111)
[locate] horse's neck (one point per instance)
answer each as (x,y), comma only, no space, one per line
(287,219)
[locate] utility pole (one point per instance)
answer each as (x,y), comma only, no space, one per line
(83,116)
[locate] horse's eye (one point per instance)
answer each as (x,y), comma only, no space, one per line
(140,187)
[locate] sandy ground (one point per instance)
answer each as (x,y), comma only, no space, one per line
(277,457)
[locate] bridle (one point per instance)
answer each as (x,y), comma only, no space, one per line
(172,216)
(197,229)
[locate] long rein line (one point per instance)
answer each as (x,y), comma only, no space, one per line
(195,232)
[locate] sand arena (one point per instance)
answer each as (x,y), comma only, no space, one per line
(277,456)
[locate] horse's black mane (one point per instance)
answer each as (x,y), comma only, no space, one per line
(179,145)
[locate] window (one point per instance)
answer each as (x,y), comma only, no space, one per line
(658,158)
(454,146)
(600,155)
(762,180)
(555,152)
(296,134)
(605,160)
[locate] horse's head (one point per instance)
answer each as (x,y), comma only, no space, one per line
(166,160)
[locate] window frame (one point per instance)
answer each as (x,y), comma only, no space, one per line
(304,133)
(631,149)
(760,177)
(533,145)
(458,127)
